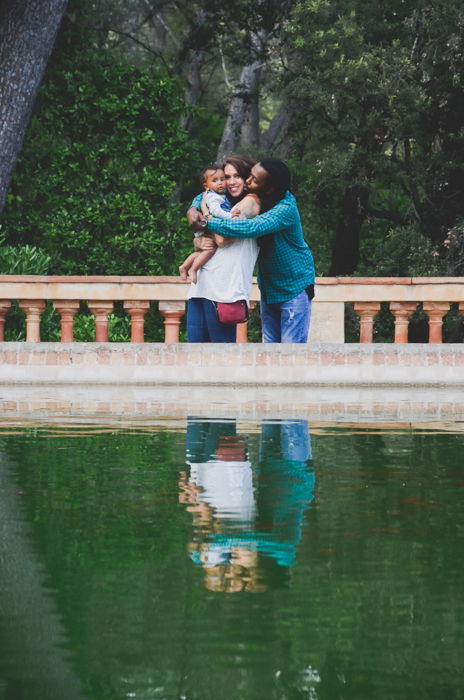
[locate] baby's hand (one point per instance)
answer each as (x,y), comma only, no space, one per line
(236,214)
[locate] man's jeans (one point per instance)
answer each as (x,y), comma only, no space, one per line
(287,321)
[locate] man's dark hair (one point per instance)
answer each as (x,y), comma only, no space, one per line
(212,166)
(279,179)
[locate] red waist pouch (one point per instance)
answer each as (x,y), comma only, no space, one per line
(233,312)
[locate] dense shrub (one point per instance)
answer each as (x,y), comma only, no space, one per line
(96,184)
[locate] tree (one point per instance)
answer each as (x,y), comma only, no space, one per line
(227,56)
(258,55)
(244,100)
(366,101)
(27,34)
(95,184)
(378,127)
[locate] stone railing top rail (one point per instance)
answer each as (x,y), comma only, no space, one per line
(151,288)
(157,279)
(93,287)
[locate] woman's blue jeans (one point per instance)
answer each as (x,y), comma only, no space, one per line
(203,325)
(286,321)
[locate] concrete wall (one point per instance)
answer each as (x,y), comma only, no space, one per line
(233,365)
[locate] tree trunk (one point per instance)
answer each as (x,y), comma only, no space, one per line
(250,136)
(345,252)
(189,63)
(243,97)
(193,85)
(238,109)
(27,33)
(272,137)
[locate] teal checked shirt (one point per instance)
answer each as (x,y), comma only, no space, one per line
(285,261)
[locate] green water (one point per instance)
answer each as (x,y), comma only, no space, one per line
(221,560)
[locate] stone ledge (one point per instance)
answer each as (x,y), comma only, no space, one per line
(253,364)
(150,407)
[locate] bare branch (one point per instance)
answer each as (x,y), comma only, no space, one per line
(224,68)
(168,29)
(146,47)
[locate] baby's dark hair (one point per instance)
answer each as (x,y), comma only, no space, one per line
(211,166)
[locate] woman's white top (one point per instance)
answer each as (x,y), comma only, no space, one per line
(227,276)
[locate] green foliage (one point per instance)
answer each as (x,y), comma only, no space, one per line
(118,328)
(378,120)
(375,132)
(22,260)
(402,252)
(454,250)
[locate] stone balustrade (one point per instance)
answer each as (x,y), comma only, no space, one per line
(403,296)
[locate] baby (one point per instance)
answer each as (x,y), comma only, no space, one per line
(213,203)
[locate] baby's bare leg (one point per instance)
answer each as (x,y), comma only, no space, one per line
(202,257)
(187,264)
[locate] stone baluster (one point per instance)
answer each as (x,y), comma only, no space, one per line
(435,311)
(242,328)
(4,307)
(33,308)
(67,309)
(137,311)
(101,310)
(402,311)
(366,310)
(172,312)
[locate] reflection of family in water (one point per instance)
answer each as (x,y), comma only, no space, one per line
(247,518)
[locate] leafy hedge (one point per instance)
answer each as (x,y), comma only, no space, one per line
(96,184)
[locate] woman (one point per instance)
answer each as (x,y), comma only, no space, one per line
(227,276)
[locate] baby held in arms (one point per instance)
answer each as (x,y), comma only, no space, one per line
(214,203)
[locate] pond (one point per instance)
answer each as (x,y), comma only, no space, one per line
(209,559)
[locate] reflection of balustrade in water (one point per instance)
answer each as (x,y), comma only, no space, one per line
(403,296)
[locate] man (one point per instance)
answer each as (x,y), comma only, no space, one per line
(285,263)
